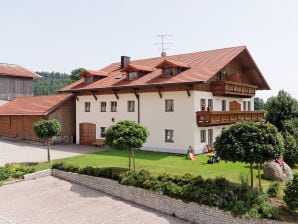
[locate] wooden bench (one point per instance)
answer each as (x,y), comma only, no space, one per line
(99,142)
(210,148)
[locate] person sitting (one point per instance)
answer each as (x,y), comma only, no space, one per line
(280,161)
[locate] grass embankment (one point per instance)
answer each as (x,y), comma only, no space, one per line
(158,163)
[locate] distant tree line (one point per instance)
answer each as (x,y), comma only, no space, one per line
(51,82)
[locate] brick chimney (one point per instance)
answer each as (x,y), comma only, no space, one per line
(124,61)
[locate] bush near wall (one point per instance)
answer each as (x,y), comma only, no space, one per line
(14,171)
(218,192)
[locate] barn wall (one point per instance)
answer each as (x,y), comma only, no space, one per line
(12,87)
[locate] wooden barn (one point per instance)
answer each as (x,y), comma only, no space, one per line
(18,116)
(15,81)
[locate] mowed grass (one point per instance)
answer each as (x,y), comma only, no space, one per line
(158,163)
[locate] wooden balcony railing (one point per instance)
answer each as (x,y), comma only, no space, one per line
(228,88)
(212,118)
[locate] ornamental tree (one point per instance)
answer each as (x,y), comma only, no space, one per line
(249,142)
(46,129)
(127,135)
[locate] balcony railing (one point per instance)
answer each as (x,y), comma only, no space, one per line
(228,88)
(212,118)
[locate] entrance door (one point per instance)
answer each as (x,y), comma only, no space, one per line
(87,133)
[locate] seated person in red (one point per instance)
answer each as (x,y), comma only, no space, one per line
(280,161)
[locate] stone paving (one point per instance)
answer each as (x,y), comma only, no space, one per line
(49,200)
(13,150)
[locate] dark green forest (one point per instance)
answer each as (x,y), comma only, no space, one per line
(49,83)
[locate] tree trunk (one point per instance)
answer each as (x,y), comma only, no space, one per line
(129,158)
(251,176)
(49,157)
(259,174)
(133,159)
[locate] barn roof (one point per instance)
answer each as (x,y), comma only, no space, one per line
(34,105)
(200,67)
(16,70)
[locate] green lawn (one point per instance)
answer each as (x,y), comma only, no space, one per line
(158,163)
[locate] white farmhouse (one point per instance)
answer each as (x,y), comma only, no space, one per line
(183,100)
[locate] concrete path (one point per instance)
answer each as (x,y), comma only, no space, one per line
(12,150)
(49,200)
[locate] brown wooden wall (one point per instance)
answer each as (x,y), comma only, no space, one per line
(12,87)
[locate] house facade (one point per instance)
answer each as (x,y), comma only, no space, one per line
(15,81)
(183,100)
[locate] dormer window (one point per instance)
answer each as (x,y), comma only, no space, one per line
(88,79)
(168,71)
(132,75)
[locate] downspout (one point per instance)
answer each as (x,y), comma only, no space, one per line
(138,102)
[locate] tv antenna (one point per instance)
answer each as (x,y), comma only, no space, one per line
(163,43)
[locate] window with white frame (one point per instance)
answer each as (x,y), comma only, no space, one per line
(248,105)
(131,106)
(223,105)
(203,104)
(87,106)
(203,135)
(113,106)
(168,71)
(169,105)
(103,106)
(103,132)
(169,135)
(210,105)
(244,106)
(132,75)
(210,136)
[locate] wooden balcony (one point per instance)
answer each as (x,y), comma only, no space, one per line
(212,118)
(228,88)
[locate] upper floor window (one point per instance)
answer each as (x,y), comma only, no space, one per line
(169,105)
(168,71)
(244,106)
(210,105)
(88,79)
(248,105)
(131,106)
(169,135)
(103,106)
(113,106)
(87,106)
(132,75)
(224,105)
(203,104)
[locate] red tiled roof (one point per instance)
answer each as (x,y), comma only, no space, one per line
(92,73)
(34,105)
(202,66)
(166,62)
(136,68)
(16,70)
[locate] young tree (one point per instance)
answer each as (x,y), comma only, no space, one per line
(75,75)
(46,129)
(290,155)
(127,135)
(249,142)
(281,108)
(259,103)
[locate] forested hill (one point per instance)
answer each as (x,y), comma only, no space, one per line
(50,83)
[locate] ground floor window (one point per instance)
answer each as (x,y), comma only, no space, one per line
(169,135)
(203,135)
(210,136)
(103,132)
(131,106)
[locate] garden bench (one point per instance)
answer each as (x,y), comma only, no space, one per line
(99,142)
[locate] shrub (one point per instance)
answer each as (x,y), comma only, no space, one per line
(290,155)
(273,190)
(291,193)
(4,173)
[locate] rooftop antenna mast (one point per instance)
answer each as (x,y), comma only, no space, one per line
(162,43)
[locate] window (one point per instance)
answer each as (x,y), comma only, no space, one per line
(210,136)
(88,79)
(203,104)
(103,106)
(87,106)
(103,132)
(169,135)
(113,106)
(132,75)
(203,135)
(169,105)
(131,106)
(248,105)
(223,105)
(168,71)
(244,105)
(210,105)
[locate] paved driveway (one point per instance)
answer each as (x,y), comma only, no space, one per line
(55,201)
(12,150)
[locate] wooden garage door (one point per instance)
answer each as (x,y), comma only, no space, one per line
(87,133)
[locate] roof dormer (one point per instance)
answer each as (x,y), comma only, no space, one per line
(92,76)
(134,71)
(171,68)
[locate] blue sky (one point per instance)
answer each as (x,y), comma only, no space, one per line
(61,35)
